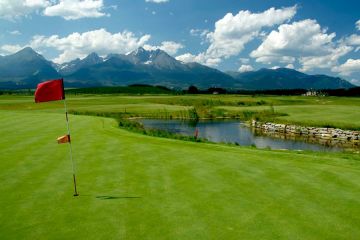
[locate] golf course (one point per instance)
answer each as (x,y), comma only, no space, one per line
(136,186)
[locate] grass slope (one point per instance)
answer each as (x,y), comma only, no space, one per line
(138,187)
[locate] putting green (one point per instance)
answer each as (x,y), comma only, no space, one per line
(138,187)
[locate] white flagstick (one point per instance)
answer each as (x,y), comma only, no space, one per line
(70,147)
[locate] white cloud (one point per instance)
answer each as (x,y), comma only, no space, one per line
(304,37)
(358,24)
(68,9)
(15,32)
(200,58)
(232,32)
(157,1)
(202,33)
(349,67)
(76,9)
(199,32)
(304,41)
(290,65)
(275,67)
(15,9)
(324,61)
(186,58)
(354,40)
(78,45)
(36,3)
(9,49)
(245,68)
(167,46)
(355,82)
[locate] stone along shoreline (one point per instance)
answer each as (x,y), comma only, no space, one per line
(333,137)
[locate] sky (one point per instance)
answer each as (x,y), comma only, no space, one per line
(315,37)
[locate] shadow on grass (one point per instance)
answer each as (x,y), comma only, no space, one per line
(113,197)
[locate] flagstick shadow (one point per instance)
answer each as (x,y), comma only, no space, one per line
(115,197)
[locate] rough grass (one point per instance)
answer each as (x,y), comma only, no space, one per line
(140,187)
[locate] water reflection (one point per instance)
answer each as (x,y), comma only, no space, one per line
(231,132)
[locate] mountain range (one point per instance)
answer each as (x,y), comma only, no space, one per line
(26,68)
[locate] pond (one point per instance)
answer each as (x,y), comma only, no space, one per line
(231,131)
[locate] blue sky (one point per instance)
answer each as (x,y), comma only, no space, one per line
(316,37)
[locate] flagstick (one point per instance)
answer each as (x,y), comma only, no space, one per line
(70,147)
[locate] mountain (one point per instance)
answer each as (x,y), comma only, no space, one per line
(153,67)
(25,69)
(74,65)
(285,78)
(157,58)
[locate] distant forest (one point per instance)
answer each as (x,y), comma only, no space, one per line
(148,89)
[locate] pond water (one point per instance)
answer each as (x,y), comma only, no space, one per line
(230,131)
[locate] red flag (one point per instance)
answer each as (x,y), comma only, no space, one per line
(52,90)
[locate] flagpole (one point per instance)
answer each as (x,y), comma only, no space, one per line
(70,148)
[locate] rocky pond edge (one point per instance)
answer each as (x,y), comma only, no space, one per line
(334,137)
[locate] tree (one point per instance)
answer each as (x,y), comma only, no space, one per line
(193,90)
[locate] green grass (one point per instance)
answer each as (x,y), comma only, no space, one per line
(140,187)
(336,111)
(340,116)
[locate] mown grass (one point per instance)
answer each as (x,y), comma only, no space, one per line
(140,187)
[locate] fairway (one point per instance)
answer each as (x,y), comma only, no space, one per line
(139,187)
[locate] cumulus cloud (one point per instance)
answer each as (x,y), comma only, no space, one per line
(304,37)
(157,1)
(354,40)
(14,9)
(168,46)
(9,49)
(186,58)
(245,68)
(232,32)
(76,9)
(200,58)
(78,45)
(68,9)
(324,61)
(349,67)
(304,41)
(358,24)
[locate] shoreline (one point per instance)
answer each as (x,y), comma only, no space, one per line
(334,137)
